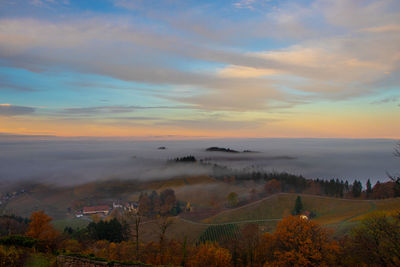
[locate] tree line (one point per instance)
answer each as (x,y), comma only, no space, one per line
(285,182)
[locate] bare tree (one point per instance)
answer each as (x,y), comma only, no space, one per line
(136,219)
(163,223)
(396,177)
(397,150)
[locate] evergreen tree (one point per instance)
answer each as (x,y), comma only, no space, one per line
(346,186)
(341,188)
(112,230)
(369,188)
(357,188)
(298,206)
(232,199)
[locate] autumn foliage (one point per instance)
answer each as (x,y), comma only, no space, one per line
(300,242)
(374,242)
(273,186)
(295,242)
(210,254)
(40,228)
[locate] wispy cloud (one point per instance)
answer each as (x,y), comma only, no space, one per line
(245,4)
(13,86)
(391,99)
(113,109)
(48,3)
(13,110)
(247,56)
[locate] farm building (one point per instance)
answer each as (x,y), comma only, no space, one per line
(96,209)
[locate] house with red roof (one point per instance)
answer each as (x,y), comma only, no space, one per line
(96,209)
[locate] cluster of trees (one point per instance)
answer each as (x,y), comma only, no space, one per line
(332,188)
(112,230)
(288,182)
(285,182)
(13,225)
(295,242)
(154,204)
(356,189)
(186,159)
(221,149)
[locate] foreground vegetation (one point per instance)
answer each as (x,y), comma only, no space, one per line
(375,241)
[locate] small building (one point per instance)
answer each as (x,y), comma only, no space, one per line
(96,209)
(304,217)
(117,205)
(307,215)
(188,207)
(132,207)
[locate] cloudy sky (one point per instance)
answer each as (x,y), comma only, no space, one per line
(183,68)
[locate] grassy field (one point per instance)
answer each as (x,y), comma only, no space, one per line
(329,211)
(179,230)
(74,223)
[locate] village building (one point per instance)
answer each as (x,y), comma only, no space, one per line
(131,207)
(117,205)
(96,210)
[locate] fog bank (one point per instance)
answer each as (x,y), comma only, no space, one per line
(78,161)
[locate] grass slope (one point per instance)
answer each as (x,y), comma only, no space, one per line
(330,211)
(336,213)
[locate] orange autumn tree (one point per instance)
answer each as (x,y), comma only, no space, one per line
(273,186)
(72,246)
(300,242)
(40,228)
(210,254)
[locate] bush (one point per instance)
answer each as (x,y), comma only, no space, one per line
(18,241)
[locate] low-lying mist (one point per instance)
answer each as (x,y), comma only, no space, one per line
(79,161)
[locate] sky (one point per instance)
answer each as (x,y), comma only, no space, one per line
(179,69)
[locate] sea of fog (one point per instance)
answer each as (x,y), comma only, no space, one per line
(79,161)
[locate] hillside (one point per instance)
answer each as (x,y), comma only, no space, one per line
(207,196)
(334,212)
(339,214)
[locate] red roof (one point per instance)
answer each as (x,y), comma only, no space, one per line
(96,208)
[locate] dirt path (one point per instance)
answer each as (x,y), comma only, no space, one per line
(342,223)
(235,222)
